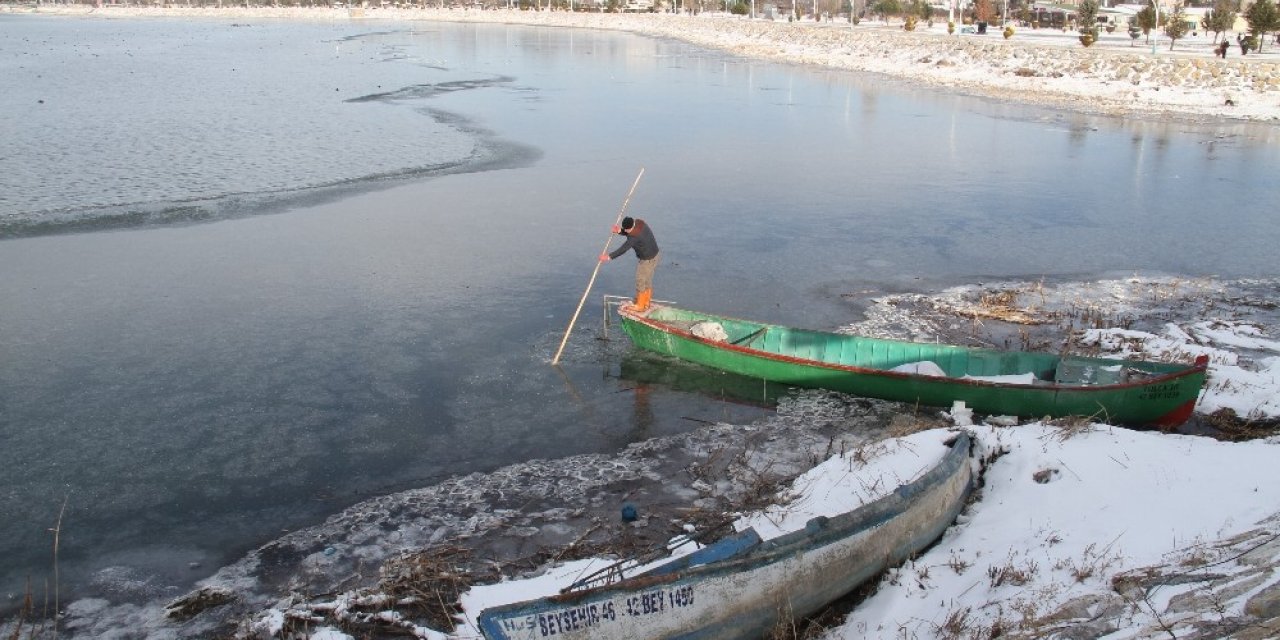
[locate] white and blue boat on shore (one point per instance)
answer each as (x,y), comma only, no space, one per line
(742,587)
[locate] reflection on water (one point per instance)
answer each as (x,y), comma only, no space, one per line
(644,370)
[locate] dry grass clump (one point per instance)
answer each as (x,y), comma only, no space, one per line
(1093,562)
(902,425)
(1011,574)
(1230,427)
(958,564)
(25,617)
(814,627)
(1067,427)
(1004,305)
(415,587)
(430,583)
(47,622)
(194,603)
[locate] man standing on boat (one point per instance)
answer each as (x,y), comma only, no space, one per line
(639,237)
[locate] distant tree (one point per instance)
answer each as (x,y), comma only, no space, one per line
(739,8)
(1176,25)
(924,10)
(1220,18)
(886,8)
(1263,18)
(982,11)
(1147,20)
(1087,15)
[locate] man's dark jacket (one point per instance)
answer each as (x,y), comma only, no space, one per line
(640,238)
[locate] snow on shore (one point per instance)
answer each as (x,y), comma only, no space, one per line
(1037,66)
(1080,530)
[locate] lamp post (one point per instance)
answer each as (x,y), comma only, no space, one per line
(1156,5)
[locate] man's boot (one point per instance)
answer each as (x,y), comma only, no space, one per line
(642,299)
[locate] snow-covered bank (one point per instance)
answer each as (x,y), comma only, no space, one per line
(1042,67)
(1079,532)
(1102,532)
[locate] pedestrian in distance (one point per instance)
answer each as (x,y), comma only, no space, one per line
(640,239)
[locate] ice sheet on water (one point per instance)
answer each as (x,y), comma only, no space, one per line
(272,118)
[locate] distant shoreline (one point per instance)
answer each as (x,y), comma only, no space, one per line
(1042,67)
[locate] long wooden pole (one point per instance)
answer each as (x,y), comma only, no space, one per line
(594,273)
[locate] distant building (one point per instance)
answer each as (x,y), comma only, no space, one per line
(1052,15)
(1118,16)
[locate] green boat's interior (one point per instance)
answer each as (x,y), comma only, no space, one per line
(1009,367)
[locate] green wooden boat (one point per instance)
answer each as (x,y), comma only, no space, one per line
(988,381)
